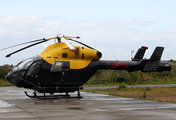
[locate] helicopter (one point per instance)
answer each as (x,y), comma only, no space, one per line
(64,68)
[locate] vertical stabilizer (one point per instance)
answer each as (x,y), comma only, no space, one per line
(152,64)
(140,54)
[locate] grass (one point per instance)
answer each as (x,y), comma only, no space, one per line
(162,94)
(3,82)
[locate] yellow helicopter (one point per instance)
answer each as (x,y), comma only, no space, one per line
(64,68)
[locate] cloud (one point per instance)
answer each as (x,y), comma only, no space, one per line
(106,34)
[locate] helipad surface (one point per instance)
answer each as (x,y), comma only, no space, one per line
(15,105)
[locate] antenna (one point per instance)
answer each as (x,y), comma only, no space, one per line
(59,39)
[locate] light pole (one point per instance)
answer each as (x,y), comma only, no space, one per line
(132,51)
(121,55)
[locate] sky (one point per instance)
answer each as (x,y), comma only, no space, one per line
(114,27)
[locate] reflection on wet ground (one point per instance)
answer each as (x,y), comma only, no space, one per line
(4,104)
(15,105)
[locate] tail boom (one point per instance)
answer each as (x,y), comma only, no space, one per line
(131,66)
(138,63)
(120,65)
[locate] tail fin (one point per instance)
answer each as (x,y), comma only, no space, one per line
(152,64)
(140,54)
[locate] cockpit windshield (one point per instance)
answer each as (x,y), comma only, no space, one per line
(25,64)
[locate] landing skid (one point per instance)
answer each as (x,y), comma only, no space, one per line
(52,96)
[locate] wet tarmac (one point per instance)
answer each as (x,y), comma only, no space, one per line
(15,105)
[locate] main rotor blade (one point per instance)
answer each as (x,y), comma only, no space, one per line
(70,45)
(24,48)
(82,44)
(22,44)
(51,38)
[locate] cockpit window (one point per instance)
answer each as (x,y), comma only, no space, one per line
(25,64)
(34,69)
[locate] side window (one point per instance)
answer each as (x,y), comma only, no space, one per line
(60,66)
(65,65)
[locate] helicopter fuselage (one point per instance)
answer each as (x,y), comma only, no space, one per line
(56,69)
(41,76)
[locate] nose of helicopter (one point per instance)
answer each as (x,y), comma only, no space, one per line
(13,79)
(8,77)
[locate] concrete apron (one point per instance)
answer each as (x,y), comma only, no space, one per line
(15,105)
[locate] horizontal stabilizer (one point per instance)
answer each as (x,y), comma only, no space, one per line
(152,64)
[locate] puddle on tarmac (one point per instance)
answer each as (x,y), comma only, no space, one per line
(99,110)
(61,100)
(76,108)
(32,103)
(5,104)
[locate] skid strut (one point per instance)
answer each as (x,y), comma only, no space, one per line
(34,96)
